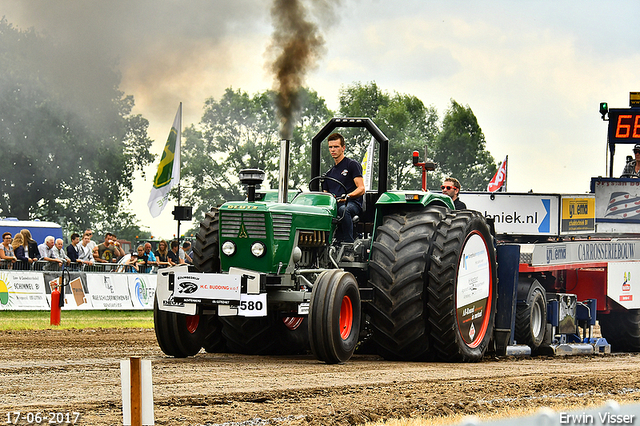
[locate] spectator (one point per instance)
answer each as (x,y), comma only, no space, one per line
(32,251)
(72,249)
(632,168)
(59,253)
(451,187)
(92,243)
(46,253)
(6,251)
(85,252)
(174,256)
(162,255)
(20,252)
(109,251)
(185,253)
(132,263)
(150,261)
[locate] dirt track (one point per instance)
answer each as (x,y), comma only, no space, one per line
(78,371)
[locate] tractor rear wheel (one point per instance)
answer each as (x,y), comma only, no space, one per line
(206,251)
(462,288)
(531,316)
(270,335)
(399,259)
(621,329)
(334,316)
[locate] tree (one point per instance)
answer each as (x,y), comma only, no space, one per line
(239,132)
(403,118)
(69,139)
(460,150)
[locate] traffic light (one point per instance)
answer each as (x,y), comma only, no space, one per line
(604,109)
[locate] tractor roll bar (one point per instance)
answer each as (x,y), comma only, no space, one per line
(367,123)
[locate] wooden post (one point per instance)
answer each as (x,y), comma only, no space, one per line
(136,391)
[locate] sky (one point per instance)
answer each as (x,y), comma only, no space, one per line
(533,72)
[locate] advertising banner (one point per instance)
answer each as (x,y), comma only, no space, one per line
(617,205)
(22,290)
(623,283)
(523,214)
(31,290)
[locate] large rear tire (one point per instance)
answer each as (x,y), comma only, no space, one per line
(334,316)
(270,335)
(621,329)
(399,258)
(462,288)
(206,258)
(206,251)
(531,316)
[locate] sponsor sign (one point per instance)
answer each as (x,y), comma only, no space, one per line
(617,205)
(22,290)
(587,251)
(214,288)
(523,214)
(109,291)
(623,283)
(142,290)
(578,215)
(474,286)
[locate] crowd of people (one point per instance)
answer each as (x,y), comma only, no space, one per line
(21,252)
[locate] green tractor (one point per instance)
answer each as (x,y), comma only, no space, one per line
(422,284)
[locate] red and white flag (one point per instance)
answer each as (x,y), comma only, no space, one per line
(500,178)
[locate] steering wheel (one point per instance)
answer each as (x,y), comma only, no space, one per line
(321,178)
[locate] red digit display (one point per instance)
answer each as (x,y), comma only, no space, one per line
(623,130)
(624,125)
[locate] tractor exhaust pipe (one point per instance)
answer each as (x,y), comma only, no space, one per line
(283,180)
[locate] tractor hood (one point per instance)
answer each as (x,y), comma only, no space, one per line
(261,236)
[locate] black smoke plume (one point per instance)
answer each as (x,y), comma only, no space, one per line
(297,45)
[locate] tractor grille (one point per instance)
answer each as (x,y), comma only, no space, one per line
(313,238)
(281,226)
(242,224)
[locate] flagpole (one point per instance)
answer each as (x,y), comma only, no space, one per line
(180,167)
(506,174)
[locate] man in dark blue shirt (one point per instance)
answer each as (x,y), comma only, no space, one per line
(349,172)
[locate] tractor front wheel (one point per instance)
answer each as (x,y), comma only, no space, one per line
(180,335)
(334,316)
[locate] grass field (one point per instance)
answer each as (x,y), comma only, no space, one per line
(39,320)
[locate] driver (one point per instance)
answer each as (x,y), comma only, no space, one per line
(349,172)
(632,168)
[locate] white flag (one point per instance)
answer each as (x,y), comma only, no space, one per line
(168,173)
(367,165)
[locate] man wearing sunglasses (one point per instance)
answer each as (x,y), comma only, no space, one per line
(632,168)
(451,187)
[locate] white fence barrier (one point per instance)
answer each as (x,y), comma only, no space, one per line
(31,290)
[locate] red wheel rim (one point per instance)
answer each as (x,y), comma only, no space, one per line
(292,322)
(346,317)
(192,323)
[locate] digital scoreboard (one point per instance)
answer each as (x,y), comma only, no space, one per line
(624,126)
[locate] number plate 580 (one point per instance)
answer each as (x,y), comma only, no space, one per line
(253,305)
